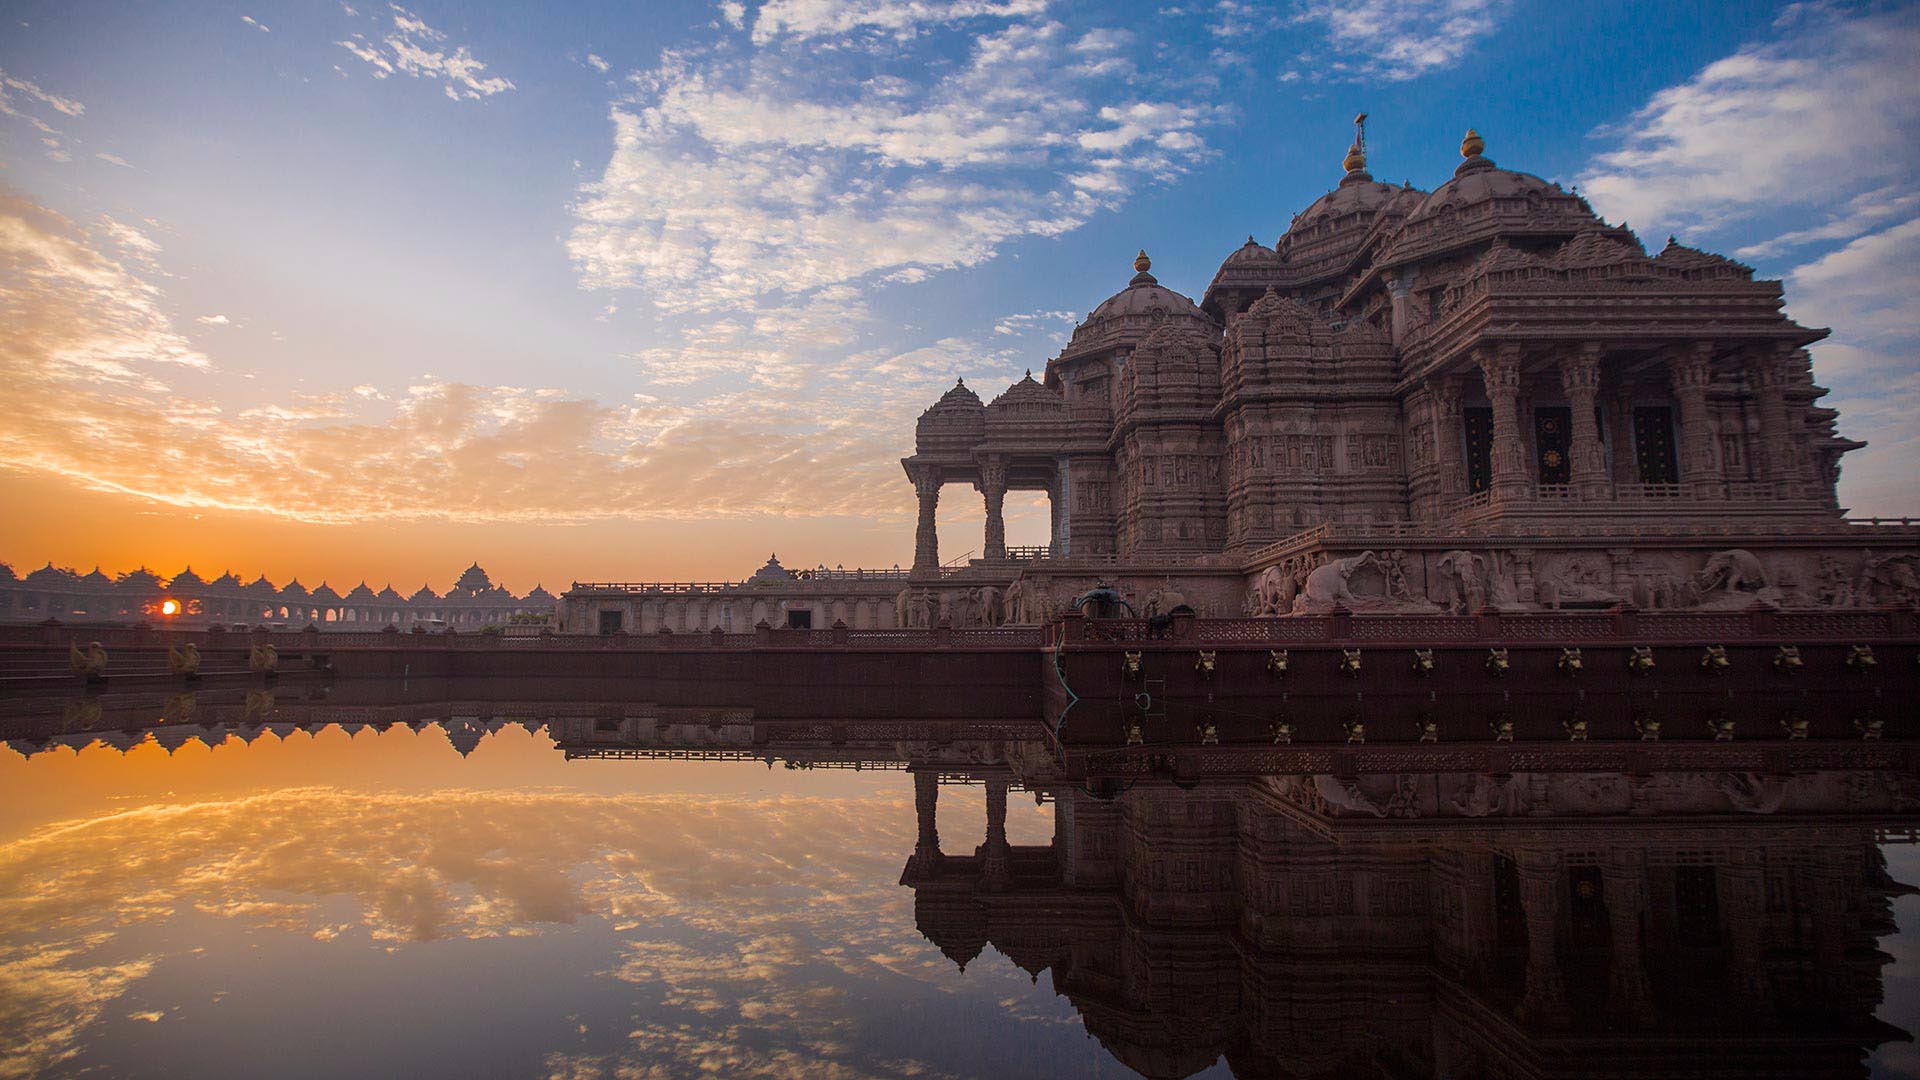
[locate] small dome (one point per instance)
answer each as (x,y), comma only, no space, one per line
(957,400)
(49,576)
(1027,395)
(1251,254)
(361,592)
(424,594)
(1144,295)
(390,594)
(1357,194)
(295,591)
(774,572)
(1478,179)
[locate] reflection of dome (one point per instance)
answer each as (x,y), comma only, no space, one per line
(955,924)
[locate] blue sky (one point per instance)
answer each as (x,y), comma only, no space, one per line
(643,284)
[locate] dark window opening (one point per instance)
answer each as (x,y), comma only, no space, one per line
(610,622)
(1696,904)
(799,620)
(1653,445)
(1553,443)
(1479,424)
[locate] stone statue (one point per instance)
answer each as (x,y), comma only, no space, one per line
(1329,585)
(1273,591)
(1332,584)
(1576,581)
(1735,570)
(1011,600)
(988,606)
(1164,600)
(1462,576)
(1890,579)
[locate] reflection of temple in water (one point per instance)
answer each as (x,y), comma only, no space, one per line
(1401,915)
(1560,926)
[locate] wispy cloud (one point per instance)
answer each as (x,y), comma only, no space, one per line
(414,48)
(1821,113)
(256,24)
(800,20)
(799,167)
(24,101)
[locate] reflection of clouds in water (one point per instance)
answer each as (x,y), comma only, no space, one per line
(769,903)
(48,994)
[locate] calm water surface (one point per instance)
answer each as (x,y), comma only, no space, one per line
(379,904)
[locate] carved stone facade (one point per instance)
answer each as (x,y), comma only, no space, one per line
(1438,394)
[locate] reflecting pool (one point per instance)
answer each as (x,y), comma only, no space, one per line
(577,888)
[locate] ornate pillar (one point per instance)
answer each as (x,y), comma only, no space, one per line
(1772,452)
(996,856)
(1500,368)
(993,485)
(926,793)
(1742,886)
(1834,868)
(1444,392)
(1544,1002)
(1400,287)
(1580,380)
(1623,877)
(1477,917)
(1691,370)
(926,536)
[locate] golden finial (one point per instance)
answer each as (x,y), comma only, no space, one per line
(1473,145)
(1356,158)
(1141,262)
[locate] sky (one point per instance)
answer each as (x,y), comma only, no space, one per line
(355,291)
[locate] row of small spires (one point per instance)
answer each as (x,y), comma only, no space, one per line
(144,578)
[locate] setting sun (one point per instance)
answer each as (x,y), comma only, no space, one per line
(169,607)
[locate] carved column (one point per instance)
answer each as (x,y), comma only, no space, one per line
(1691,370)
(1580,380)
(993,485)
(1742,886)
(1477,917)
(926,794)
(1624,879)
(1444,392)
(1772,451)
(926,536)
(1834,868)
(1545,999)
(1500,368)
(1400,288)
(996,856)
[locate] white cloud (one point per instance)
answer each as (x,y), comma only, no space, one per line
(256,24)
(1392,40)
(795,169)
(212,320)
(1865,290)
(413,48)
(597,64)
(114,159)
(1862,213)
(65,106)
(803,19)
(1825,112)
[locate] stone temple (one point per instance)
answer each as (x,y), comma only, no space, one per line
(1480,396)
